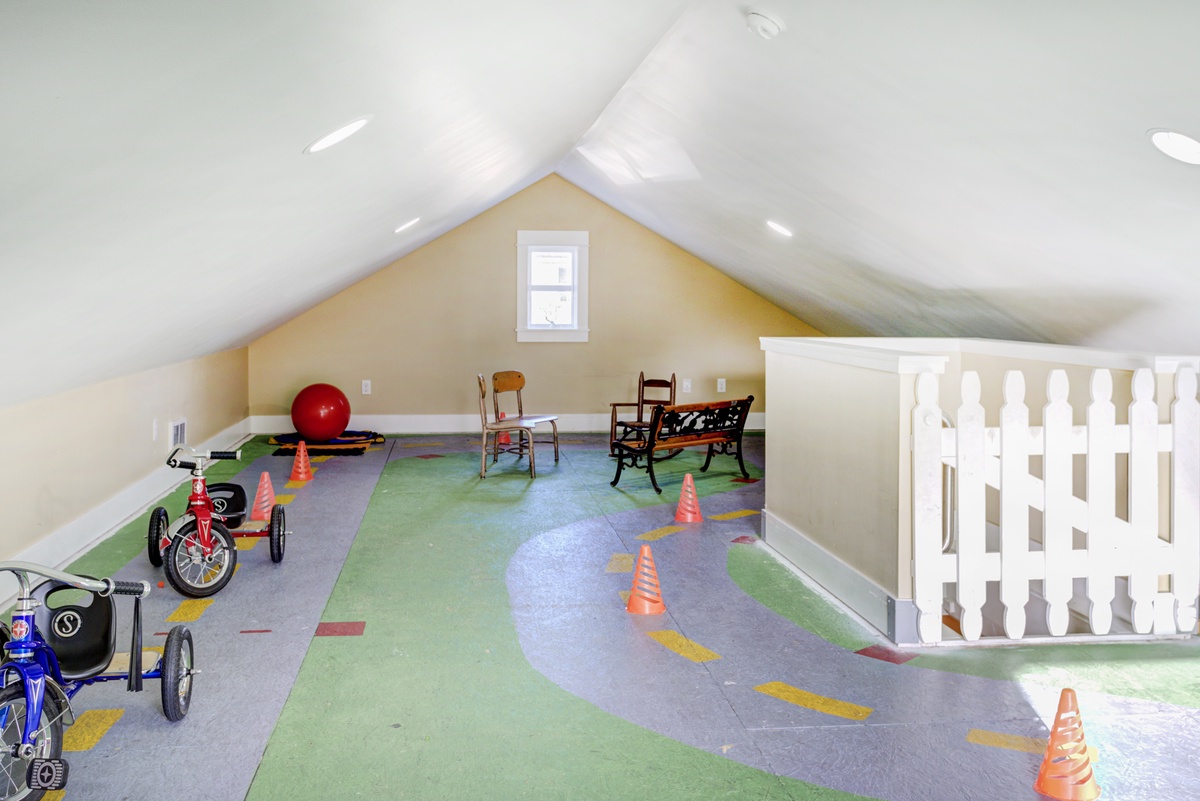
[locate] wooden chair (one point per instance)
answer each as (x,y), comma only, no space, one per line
(514,381)
(661,390)
(494,428)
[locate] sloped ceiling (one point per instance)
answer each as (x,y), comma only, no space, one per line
(973,169)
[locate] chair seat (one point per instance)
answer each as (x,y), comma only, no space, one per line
(533,419)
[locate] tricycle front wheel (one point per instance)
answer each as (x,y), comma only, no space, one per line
(13,783)
(176,681)
(193,571)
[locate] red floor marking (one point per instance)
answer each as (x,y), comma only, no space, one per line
(746,539)
(161,633)
(255,631)
(430,456)
(353,629)
(885,654)
(745,480)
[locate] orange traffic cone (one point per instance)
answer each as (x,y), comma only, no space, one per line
(503,438)
(645,598)
(688,510)
(1067,769)
(301,471)
(264,499)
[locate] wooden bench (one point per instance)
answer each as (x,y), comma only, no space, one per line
(717,425)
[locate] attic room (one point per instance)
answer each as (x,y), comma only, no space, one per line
(760,184)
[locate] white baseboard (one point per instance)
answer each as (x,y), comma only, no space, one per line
(100,522)
(452,423)
(893,617)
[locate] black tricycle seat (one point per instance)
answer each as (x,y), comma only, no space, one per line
(229,501)
(78,625)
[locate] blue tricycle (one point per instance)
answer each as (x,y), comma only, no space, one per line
(63,637)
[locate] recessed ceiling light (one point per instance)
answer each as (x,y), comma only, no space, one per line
(409,224)
(1177,146)
(332,138)
(777,228)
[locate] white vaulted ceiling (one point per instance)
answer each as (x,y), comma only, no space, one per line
(966,169)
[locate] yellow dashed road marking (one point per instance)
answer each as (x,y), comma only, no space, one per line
(819,703)
(683,646)
(189,611)
(286,499)
(734,515)
(246,543)
(625,595)
(620,563)
(89,728)
(1017,742)
(319,459)
(55,795)
(659,533)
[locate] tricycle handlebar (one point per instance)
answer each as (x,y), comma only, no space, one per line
(104,586)
(174,461)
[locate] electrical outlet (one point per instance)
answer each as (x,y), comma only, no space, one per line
(366,387)
(720,385)
(686,385)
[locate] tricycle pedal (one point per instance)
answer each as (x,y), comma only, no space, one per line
(47,774)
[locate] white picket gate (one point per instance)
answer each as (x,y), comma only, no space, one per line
(1127,552)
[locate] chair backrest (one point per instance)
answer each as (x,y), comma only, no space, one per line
(507,381)
(79,626)
(662,390)
(482,402)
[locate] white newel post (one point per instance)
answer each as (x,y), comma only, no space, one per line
(1014,504)
(1185,498)
(1143,501)
(970,516)
(927,508)
(1101,502)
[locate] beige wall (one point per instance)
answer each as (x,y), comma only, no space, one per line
(68,453)
(422,328)
(833,440)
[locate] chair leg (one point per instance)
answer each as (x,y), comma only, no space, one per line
(483,456)
(554,425)
(528,432)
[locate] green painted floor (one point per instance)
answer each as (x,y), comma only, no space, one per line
(436,699)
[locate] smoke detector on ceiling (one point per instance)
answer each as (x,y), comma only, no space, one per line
(765,24)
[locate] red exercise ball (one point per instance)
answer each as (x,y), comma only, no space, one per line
(320,412)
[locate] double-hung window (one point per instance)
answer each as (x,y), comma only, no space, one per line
(552,280)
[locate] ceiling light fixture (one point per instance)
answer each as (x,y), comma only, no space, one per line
(765,24)
(1176,145)
(332,138)
(777,228)
(409,224)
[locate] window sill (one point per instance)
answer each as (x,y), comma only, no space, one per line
(549,335)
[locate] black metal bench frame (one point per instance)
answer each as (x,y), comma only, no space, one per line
(719,425)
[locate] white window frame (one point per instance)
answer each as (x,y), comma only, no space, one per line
(532,241)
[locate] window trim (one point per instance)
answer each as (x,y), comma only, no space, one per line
(527,240)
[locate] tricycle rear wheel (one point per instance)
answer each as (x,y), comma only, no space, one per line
(176,680)
(154,537)
(277,533)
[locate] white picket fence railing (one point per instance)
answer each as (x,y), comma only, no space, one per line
(1116,547)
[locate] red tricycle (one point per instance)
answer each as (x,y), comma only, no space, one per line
(197,550)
